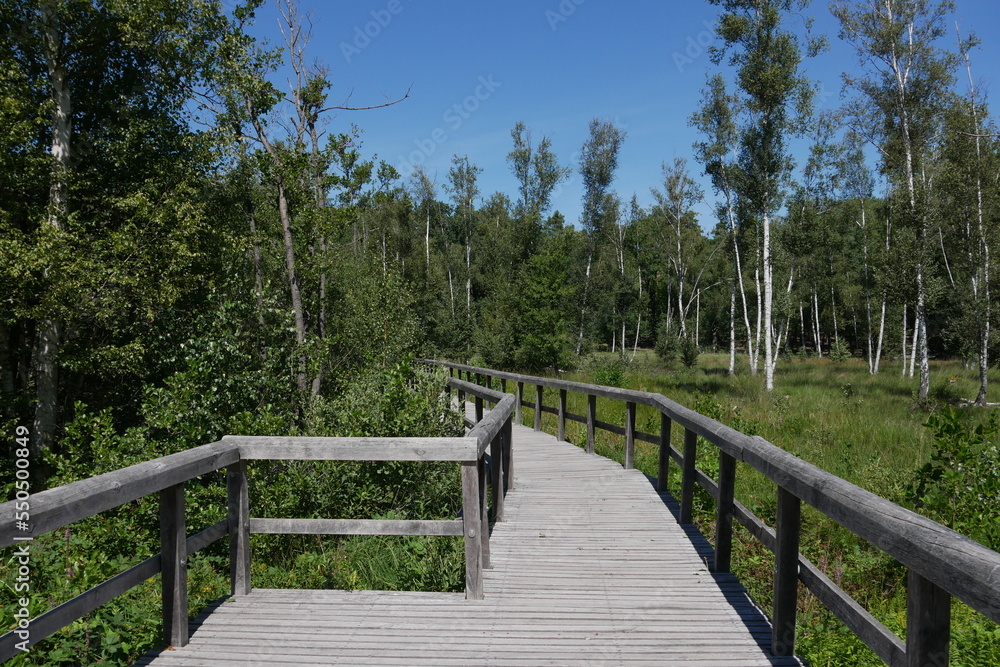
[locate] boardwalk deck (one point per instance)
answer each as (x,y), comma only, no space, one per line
(590,567)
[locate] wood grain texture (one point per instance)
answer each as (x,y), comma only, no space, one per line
(353,527)
(56,508)
(353,449)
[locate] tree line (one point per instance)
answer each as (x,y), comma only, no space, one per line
(191,248)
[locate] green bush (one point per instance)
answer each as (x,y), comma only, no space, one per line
(608,372)
(689,353)
(666,347)
(839,351)
(960,485)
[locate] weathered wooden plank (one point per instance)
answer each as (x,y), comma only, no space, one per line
(591,421)
(647,437)
(688,475)
(238,513)
(786,576)
(885,644)
(928,622)
(471,527)
(629,435)
(538,407)
(519,401)
(663,470)
(353,449)
(61,506)
(210,535)
(268,526)
(612,428)
(491,424)
(561,429)
(173,561)
(724,512)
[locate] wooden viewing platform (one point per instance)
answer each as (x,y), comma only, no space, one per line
(589,566)
(588,561)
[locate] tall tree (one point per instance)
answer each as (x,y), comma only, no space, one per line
(537,170)
(900,101)
(598,163)
(767,57)
(716,120)
(462,183)
(679,232)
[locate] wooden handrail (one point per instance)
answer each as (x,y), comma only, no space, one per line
(941,562)
(56,508)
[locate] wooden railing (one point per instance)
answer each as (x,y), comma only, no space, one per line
(941,563)
(488,441)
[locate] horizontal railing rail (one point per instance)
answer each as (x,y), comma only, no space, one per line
(59,507)
(941,562)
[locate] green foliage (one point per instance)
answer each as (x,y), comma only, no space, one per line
(667,347)
(960,485)
(608,371)
(401,400)
(839,351)
(689,353)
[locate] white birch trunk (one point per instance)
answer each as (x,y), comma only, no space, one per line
(768,304)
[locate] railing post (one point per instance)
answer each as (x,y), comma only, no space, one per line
(538,407)
(629,435)
(688,474)
(663,472)
(471,524)
(786,573)
(508,453)
(173,558)
(517,405)
(928,623)
(562,416)
(479,409)
(239,528)
(724,513)
(484,518)
(503,385)
(479,379)
(591,419)
(496,474)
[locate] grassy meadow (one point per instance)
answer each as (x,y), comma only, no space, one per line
(869,430)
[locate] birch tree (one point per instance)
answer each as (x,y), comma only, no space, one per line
(598,163)
(900,100)
(767,57)
(716,120)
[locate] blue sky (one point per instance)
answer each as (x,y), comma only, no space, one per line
(474,69)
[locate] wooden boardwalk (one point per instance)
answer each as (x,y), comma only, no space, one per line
(590,567)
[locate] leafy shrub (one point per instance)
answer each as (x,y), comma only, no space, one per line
(839,351)
(608,372)
(960,485)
